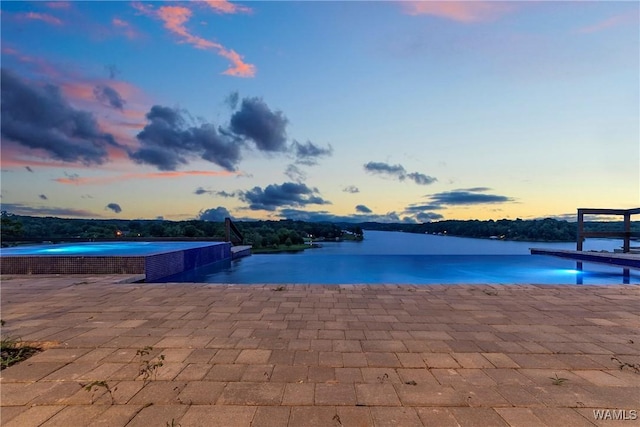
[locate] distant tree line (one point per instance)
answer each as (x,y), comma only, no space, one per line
(549,229)
(266,234)
(260,234)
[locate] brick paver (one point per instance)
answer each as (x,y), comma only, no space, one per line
(319,355)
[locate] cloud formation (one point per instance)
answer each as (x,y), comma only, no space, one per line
(428,216)
(168,142)
(325,216)
(125,27)
(20,209)
(58,4)
(363,209)
(75,179)
(44,17)
(175,19)
(41,119)
(399,172)
(612,22)
(232,100)
(226,193)
(214,215)
(275,196)
(422,212)
(385,168)
(224,6)
(114,207)
(420,178)
(351,189)
(295,174)
(108,96)
(308,152)
(460,11)
(255,121)
(415,208)
(467,196)
(200,191)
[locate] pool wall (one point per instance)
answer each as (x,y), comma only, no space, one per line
(167,264)
(154,266)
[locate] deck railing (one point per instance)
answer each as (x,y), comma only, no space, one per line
(231,233)
(626,234)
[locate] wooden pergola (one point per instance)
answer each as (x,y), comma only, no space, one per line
(626,234)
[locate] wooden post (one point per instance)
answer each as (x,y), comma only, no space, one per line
(580,236)
(626,248)
(227,229)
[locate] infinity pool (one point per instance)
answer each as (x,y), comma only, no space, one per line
(102,248)
(392,257)
(407,269)
(154,260)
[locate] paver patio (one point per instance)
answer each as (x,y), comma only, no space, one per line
(320,355)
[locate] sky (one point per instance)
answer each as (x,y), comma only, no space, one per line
(388,111)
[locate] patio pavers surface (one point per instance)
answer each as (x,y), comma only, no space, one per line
(320,355)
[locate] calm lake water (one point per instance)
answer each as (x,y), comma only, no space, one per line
(394,257)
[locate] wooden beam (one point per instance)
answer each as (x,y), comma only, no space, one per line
(626,234)
(599,211)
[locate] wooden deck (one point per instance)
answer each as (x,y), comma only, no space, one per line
(611,258)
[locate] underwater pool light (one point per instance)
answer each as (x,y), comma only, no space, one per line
(572,271)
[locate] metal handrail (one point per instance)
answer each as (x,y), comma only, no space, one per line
(231,231)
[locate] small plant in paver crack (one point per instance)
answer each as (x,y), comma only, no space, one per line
(383,378)
(95,385)
(148,368)
(488,292)
(279,289)
(13,350)
(411,382)
(621,365)
(558,381)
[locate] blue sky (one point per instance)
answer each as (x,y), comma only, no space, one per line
(388,111)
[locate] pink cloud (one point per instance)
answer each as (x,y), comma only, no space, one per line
(175,19)
(41,65)
(122,124)
(614,21)
(128,176)
(240,68)
(461,11)
(58,4)
(125,27)
(224,6)
(14,156)
(42,17)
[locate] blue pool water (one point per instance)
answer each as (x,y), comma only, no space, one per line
(102,248)
(386,257)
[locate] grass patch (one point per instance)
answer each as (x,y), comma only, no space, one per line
(557,381)
(148,368)
(13,350)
